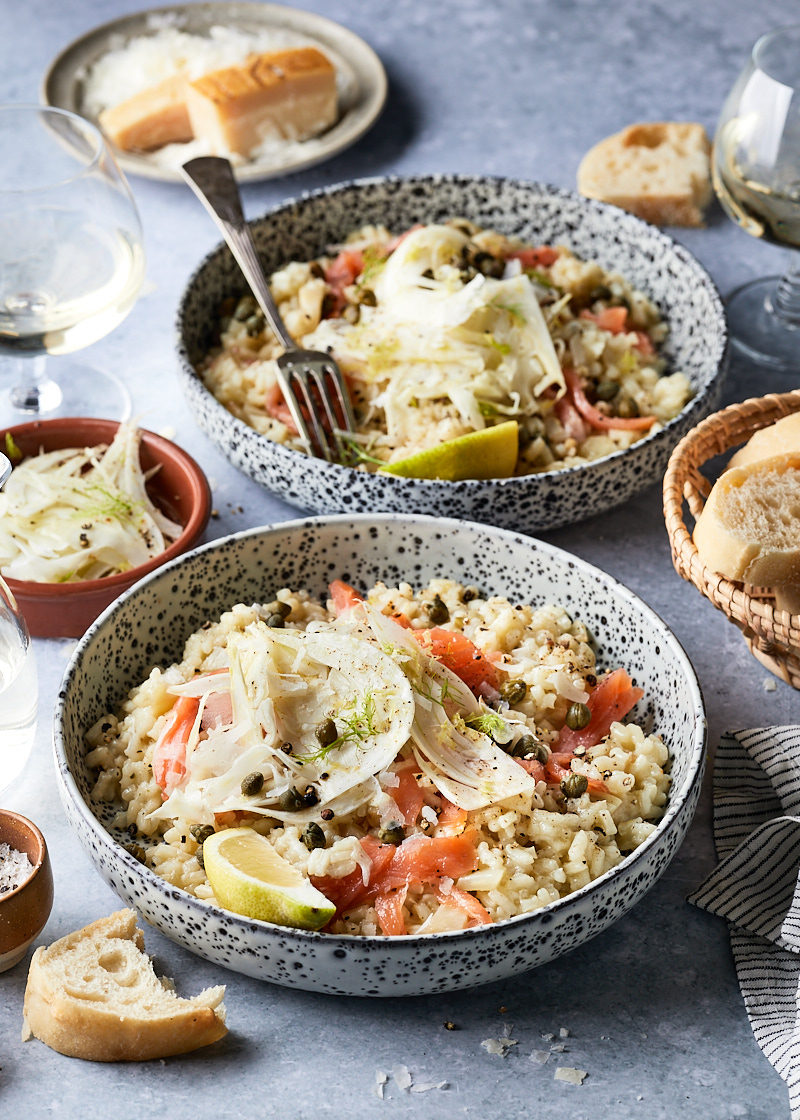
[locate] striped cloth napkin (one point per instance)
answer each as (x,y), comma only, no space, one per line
(756,885)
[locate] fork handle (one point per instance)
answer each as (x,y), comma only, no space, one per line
(211,179)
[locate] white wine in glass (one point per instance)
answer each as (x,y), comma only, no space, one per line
(756,172)
(71,261)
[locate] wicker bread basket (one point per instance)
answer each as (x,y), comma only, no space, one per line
(772,635)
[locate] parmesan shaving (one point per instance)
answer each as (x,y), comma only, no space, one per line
(81,513)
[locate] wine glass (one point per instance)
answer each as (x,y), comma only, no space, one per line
(71,261)
(18,681)
(756,172)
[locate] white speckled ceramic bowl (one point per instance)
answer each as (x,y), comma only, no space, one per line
(148,624)
(300,230)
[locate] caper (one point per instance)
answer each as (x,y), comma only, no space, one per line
(198,855)
(470,593)
(201,832)
(136,850)
(602,291)
(351,313)
(621,301)
(252,784)
(279,607)
(327,732)
(316,269)
(627,408)
(313,836)
(513,691)
(368,297)
(488,264)
(309,797)
(574,785)
(245,308)
(606,390)
(255,325)
(290,800)
(392,833)
(528,746)
(437,611)
(578,717)
(276,621)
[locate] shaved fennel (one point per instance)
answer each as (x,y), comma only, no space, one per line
(81,513)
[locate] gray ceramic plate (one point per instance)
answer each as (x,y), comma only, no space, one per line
(147,626)
(362,78)
(300,230)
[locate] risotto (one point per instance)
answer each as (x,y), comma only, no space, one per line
(448,329)
(430,761)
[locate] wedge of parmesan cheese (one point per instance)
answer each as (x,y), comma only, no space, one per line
(150,119)
(288,95)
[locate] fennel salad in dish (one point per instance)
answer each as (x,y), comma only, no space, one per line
(450,329)
(399,762)
(80,513)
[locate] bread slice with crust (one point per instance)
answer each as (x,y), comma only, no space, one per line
(658,170)
(749,529)
(93,994)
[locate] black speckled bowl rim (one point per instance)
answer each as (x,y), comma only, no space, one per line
(468,491)
(677,800)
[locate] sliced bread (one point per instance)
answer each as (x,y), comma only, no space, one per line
(93,994)
(749,529)
(658,170)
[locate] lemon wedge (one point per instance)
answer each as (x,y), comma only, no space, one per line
(490,453)
(249,877)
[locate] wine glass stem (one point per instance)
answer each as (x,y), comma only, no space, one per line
(785,300)
(35,392)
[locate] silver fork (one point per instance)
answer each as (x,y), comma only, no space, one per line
(308,378)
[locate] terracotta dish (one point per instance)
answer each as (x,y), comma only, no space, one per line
(180,489)
(25,909)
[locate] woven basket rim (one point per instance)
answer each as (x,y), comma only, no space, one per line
(774,636)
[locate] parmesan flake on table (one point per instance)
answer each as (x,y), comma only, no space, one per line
(571,1076)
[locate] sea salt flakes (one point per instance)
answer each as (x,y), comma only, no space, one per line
(539,1057)
(15,868)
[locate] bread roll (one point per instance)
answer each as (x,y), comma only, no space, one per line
(780,438)
(749,529)
(659,171)
(93,994)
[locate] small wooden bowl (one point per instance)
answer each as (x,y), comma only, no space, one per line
(179,489)
(24,911)
(773,636)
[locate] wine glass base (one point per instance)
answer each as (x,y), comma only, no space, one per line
(74,390)
(757,332)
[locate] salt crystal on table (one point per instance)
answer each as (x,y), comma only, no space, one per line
(15,868)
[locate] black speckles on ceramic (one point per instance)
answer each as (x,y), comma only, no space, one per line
(148,626)
(653,262)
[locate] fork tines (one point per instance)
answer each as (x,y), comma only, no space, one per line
(319,402)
